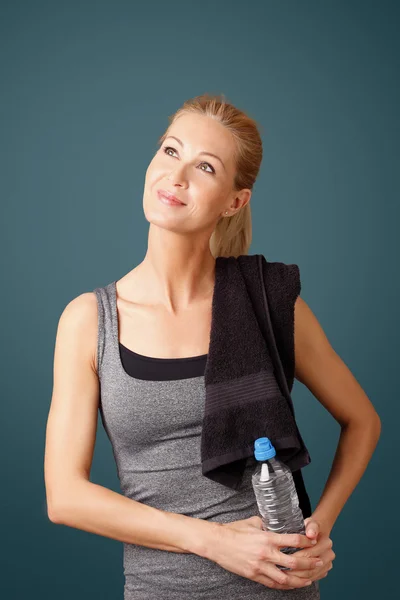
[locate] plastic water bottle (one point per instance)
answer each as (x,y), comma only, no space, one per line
(276,494)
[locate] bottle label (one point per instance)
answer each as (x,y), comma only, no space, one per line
(264,472)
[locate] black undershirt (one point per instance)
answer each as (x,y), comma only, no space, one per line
(161,369)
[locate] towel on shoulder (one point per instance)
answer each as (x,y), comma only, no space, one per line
(243,398)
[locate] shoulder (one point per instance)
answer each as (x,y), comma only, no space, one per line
(80,310)
(283,286)
(77,325)
(282,279)
(284,275)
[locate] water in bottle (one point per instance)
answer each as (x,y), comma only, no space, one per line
(276,494)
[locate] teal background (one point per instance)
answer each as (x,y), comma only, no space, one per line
(86,89)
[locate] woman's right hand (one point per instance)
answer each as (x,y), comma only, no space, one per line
(244,548)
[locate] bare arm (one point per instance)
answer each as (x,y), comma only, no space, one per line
(72,499)
(324,373)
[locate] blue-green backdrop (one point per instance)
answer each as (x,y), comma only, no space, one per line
(86,89)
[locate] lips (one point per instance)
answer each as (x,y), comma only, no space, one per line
(169,196)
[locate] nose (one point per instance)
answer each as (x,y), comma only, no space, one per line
(177,176)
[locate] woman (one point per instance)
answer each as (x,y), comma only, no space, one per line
(136,349)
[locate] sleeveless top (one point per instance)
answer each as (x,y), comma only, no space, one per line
(152,410)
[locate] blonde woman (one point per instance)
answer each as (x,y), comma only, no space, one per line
(136,350)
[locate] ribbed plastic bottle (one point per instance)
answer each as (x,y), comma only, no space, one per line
(276,494)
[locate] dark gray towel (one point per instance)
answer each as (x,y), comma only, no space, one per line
(243,398)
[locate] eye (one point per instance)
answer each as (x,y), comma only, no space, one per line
(166,148)
(212,168)
(212,172)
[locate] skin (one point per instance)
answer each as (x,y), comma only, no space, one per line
(178,268)
(164,303)
(330,381)
(164,310)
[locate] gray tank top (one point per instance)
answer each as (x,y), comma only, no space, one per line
(154,428)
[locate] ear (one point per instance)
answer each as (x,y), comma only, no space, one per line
(240,199)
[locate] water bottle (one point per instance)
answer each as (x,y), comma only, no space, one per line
(276,494)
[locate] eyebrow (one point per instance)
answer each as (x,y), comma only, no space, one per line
(209,153)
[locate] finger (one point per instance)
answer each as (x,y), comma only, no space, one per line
(312,528)
(318,549)
(294,562)
(309,573)
(267,581)
(315,575)
(293,540)
(319,571)
(285,577)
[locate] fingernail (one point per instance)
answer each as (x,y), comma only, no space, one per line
(314,542)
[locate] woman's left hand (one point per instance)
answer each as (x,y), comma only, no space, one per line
(323,548)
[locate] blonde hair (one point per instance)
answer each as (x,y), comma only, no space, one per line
(232,235)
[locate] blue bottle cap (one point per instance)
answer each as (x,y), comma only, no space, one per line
(263,449)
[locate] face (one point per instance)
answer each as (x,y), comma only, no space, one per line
(203,182)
